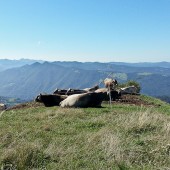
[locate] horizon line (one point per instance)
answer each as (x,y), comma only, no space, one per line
(85,61)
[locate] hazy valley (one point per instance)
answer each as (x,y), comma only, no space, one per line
(26,78)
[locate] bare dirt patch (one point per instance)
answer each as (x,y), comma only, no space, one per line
(134,100)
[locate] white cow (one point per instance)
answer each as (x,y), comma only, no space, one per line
(128,90)
(92,89)
(104,90)
(83,100)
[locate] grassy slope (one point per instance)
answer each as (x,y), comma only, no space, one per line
(121,137)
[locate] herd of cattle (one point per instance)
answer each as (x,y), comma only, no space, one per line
(88,97)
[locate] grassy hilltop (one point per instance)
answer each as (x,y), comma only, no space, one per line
(125,136)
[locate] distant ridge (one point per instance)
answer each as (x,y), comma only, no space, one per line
(36,77)
(7,64)
(28,81)
(163,64)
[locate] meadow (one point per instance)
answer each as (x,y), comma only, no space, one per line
(118,137)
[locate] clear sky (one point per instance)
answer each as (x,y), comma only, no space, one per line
(85,30)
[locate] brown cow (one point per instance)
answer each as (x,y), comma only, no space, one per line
(84,100)
(110,83)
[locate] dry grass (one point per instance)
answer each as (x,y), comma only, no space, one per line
(146,139)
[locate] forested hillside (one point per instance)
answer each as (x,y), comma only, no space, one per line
(29,80)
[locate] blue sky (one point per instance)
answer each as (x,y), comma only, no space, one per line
(85,30)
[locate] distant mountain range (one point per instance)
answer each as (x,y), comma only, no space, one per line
(26,78)
(163,64)
(7,64)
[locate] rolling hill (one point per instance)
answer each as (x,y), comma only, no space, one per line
(27,81)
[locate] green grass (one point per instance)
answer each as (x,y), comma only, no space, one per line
(162,106)
(122,137)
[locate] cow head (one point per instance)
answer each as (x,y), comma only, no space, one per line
(38,98)
(110,83)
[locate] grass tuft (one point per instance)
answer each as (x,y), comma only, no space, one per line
(24,155)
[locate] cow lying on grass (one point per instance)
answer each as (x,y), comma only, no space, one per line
(92,89)
(84,100)
(114,94)
(50,99)
(75,91)
(68,91)
(128,90)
